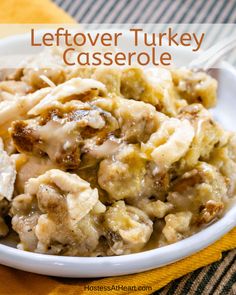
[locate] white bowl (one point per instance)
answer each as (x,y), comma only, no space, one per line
(83,267)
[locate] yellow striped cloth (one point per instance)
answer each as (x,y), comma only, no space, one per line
(22,283)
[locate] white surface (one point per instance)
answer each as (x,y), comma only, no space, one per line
(127,264)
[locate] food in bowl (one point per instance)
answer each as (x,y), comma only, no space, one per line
(110,161)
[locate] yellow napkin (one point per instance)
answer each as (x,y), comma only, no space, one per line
(22,283)
(32,12)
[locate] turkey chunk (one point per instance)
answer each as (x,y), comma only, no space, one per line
(137,120)
(76,88)
(62,132)
(8,89)
(169,143)
(7,174)
(18,108)
(29,167)
(58,214)
(7,180)
(128,229)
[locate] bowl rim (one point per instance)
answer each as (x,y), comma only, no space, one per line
(226,222)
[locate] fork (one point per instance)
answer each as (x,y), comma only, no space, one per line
(209,58)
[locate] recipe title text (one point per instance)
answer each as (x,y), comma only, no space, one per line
(110,48)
